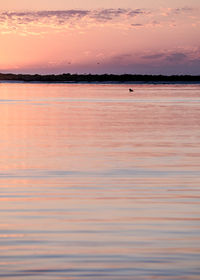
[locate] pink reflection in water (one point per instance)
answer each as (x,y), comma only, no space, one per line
(100,184)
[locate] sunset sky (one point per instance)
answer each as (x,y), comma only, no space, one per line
(100,36)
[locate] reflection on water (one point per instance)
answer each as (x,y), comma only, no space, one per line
(99,183)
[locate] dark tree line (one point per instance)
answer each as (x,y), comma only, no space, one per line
(89,78)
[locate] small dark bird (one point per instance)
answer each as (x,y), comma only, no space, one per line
(130,90)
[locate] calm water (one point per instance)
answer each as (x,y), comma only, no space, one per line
(98,183)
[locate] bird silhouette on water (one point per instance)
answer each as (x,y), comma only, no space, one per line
(130,90)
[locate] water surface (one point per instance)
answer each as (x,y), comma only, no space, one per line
(99,183)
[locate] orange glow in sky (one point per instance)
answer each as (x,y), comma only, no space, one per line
(55,37)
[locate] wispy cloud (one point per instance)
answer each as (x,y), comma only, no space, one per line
(29,21)
(42,16)
(57,20)
(137,24)
(112,14)
(61,17)
(182,10)
(153,56)
(173,57)
(176,57)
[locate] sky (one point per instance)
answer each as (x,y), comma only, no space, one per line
(100,36)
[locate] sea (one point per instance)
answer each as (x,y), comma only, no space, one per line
(99,183)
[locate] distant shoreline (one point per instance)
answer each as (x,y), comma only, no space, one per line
(98,83)
(101,79)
